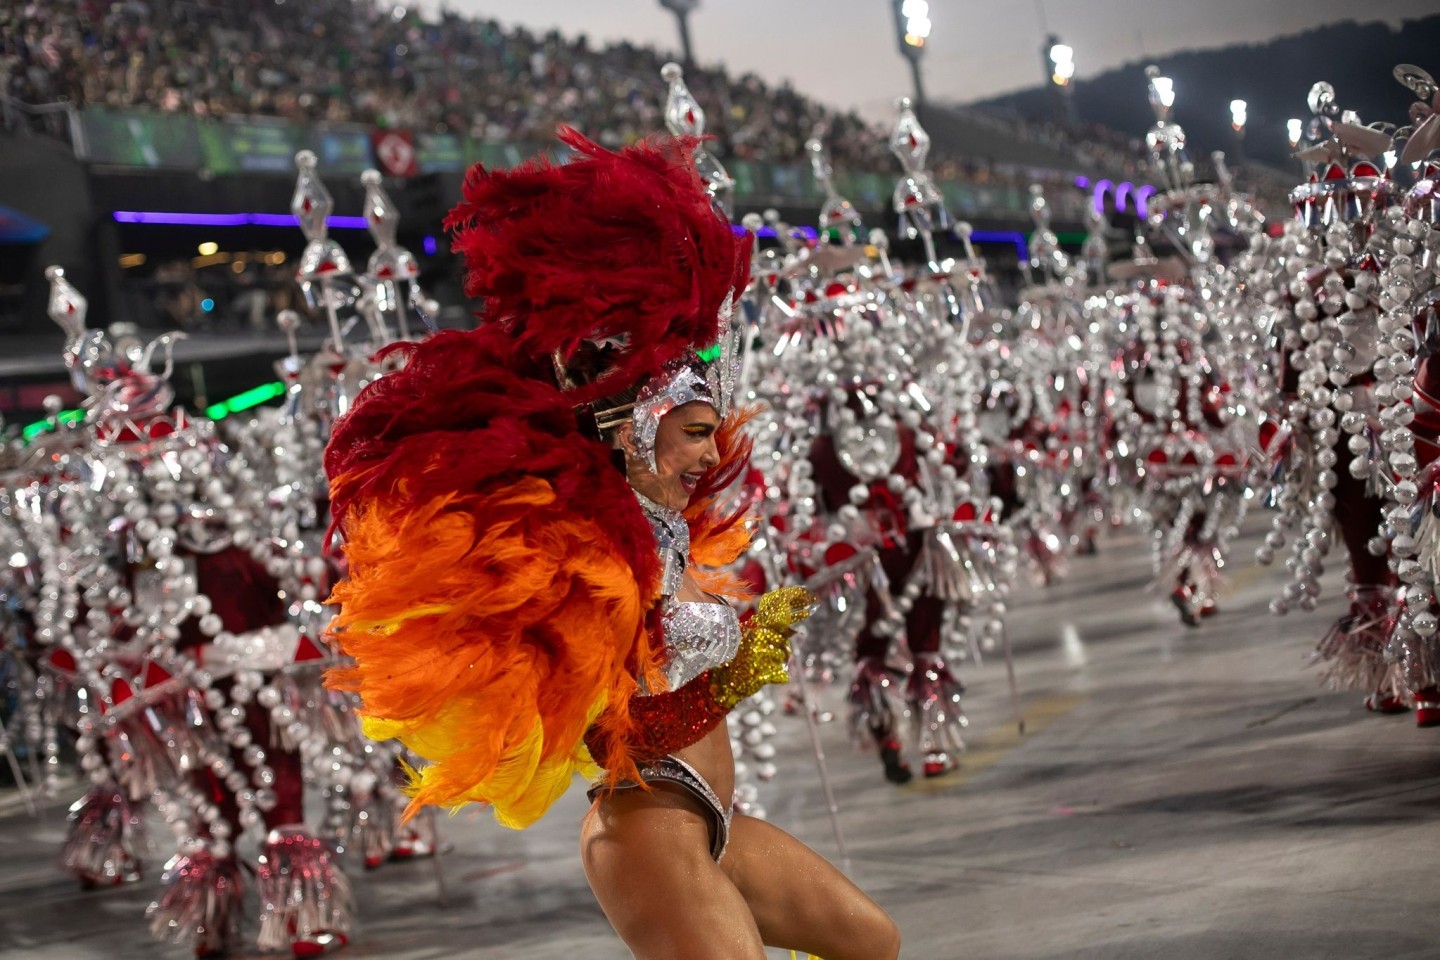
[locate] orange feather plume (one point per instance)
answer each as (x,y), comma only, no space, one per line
(488,633)
(718,536)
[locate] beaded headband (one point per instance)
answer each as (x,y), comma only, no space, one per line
(708,376)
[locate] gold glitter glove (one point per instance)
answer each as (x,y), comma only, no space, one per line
(764,647)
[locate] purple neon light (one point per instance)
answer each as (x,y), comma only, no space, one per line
(171,219)
(1022,248)
(808,232)
(185,219)
(1142,200)
(1097,195)
(1139,196)
(1082,182)
(429,246)
(1122,190)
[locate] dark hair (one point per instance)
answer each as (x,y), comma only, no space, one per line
(589,363)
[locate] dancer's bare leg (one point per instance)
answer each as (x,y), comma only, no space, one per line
(648,860)
(800,901)
(647,857)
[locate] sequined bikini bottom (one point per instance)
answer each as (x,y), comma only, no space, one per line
(676,771)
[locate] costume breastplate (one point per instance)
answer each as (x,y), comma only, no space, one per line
(699,635)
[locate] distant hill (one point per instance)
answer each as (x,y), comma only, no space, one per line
(1273,78)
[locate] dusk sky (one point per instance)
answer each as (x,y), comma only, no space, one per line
(844,52)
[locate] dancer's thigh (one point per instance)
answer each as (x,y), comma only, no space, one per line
(647,857)
(800,901)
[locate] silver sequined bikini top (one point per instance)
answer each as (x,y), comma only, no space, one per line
(699,634)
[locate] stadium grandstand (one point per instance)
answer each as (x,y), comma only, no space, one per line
(192,110)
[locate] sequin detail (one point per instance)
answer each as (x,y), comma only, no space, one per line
(671,721)
(698,637)
(676,771)
(675,386)
(672,542)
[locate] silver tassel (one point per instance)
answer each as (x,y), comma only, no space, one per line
(303,893)
(202,902)
(105,839)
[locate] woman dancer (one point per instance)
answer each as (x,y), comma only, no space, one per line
(531,523)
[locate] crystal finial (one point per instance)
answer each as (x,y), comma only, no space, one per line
(68,306)
(917,200)
(390,261)
(1045,252)
(380,214)
(837,213)
(1166,139)
(684,118)
(909,141)
(312,203)
(312,206)
(1223,175)
(1039,207)
(1096,249)
(683,114)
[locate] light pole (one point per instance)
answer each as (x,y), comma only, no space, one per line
(912,24)
(1059,59)
(682,10)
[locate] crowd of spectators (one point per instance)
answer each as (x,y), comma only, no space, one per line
(360,61)
(1096,146)
(381,64)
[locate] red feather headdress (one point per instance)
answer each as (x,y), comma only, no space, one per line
(611,247)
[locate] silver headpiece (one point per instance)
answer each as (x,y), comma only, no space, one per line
(709,377)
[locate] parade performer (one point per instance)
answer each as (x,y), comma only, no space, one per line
(531,520)
(164,602)
(1363,314)
(1334,369)
(1411,286)
(871,435)
(1177,411)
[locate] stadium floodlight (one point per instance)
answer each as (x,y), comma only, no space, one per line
(1238,110)
(1296,128)
(1164,91)
(917,22)
(1062,64)
(1058,60)
(912,27)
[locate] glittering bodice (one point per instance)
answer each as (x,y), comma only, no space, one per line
(698,636)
